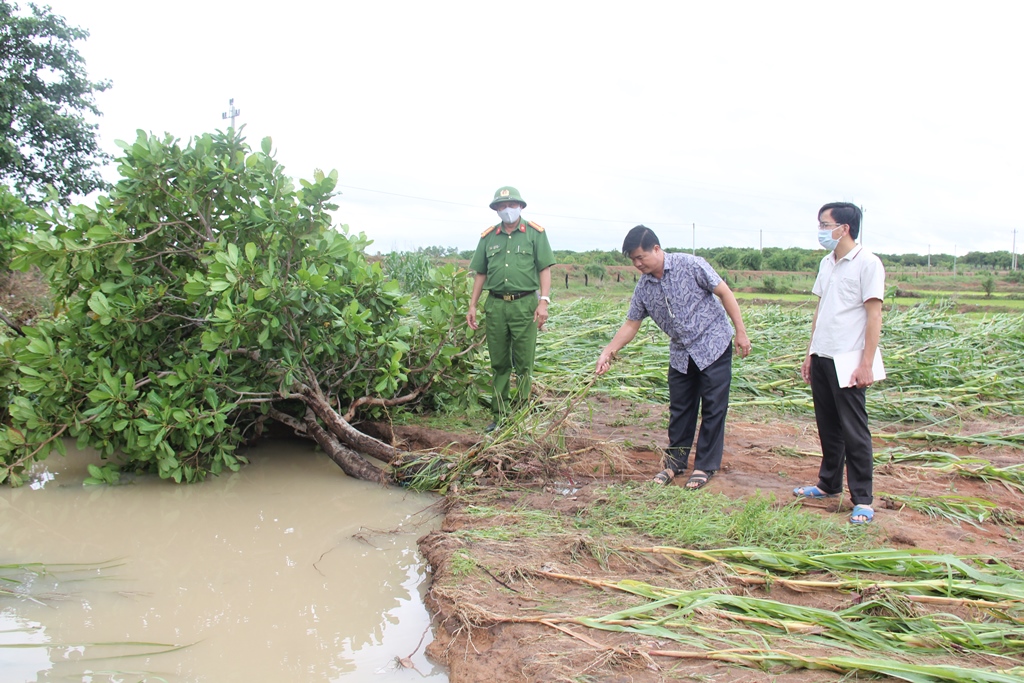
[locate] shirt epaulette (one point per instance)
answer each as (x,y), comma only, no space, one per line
(535,226)
(488,231)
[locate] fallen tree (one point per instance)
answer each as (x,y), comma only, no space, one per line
(207,295)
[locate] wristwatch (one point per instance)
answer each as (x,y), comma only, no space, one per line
(546,298)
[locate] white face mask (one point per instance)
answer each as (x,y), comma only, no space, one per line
(510,214)
(826,240)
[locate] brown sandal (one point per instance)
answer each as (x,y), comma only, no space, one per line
(664,477)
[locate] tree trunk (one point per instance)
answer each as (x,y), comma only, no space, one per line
(352,437)
(350,462)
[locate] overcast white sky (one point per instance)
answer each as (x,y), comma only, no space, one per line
(739,117)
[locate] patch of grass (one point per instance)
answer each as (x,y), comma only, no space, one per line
(672,515)
(701,519)
(788,452)
(472,419)
(515,524)
(461,563)
(631,445)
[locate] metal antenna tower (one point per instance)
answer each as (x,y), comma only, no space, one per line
(231,112)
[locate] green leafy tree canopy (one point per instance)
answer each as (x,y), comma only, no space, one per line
(45,95)
(207,295)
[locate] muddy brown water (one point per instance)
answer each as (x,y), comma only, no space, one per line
(285,571)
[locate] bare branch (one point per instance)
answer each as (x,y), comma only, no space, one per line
(31,455)
(162,314)
(187,252)
(167,271)
(210,237)
(10,323)
(475,345)
(371,401)
(251,354)
(286,419)
(158,228)
(160,375)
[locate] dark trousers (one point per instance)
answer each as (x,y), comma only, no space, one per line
(705,391)
(842,417)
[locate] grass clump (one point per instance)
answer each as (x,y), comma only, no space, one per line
(509,525)
(461,563)
(701,519)
(672,515)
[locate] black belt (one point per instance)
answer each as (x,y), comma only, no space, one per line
(510,296)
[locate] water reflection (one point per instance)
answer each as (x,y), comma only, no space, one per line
(287,570)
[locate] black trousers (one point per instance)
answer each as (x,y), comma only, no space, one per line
(705,391)
(842,417)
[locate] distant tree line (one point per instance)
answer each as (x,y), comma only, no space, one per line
(793,259)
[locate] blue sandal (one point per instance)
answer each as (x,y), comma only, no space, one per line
(865,511)
(812,492)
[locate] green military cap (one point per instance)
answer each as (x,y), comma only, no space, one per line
(507,194)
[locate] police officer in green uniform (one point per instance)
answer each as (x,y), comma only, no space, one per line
(512,261)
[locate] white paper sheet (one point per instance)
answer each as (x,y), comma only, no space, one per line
(846,363)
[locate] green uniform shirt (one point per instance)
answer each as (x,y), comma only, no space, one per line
(513,261)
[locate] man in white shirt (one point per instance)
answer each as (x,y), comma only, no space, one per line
(850,286)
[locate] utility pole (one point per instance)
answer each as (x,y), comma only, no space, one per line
(693,250)
(954,260)
(1014,259)
(929,257)
(760,240)
(231,112)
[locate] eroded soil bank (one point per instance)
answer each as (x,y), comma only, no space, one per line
(505,598)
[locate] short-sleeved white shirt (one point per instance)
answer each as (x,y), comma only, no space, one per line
(843,288)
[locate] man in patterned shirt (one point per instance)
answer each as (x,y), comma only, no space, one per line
(678,292)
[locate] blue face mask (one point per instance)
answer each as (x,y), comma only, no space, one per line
(826,240)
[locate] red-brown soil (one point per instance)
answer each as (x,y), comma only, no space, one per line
(487,621)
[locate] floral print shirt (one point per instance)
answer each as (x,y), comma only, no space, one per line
(683,305)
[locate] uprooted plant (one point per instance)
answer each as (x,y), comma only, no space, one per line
(205,296)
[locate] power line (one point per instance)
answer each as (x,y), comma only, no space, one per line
(477,206)
(720,188)
(409,196)
(668,224)
(757,230)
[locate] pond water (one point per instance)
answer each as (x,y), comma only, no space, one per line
(285,571)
